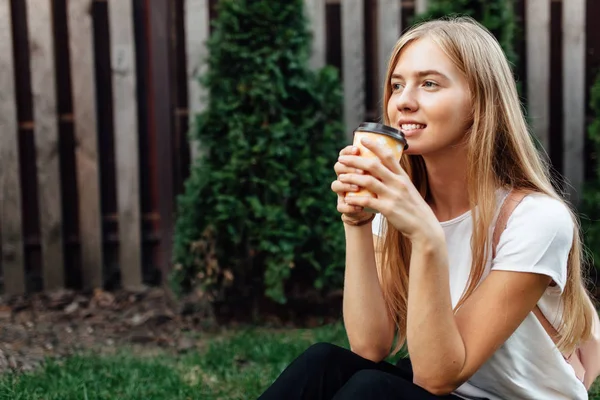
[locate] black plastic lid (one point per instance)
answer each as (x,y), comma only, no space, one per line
(384,130)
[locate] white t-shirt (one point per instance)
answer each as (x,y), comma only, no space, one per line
(537,238)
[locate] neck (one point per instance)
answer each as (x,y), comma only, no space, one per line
(447,179)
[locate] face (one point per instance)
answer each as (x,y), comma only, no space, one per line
(430,99)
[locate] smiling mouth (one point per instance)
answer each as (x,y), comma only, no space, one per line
(407,128)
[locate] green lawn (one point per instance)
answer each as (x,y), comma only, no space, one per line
(236,366)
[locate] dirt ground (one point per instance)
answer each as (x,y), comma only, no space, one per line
(65,322)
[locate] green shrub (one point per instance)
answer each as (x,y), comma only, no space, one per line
(590,200)
(496,15)
(258,211)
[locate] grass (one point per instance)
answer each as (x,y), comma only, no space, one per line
(236,366)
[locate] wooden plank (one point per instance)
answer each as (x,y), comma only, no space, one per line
(197,31)
(125,107)
(389,21)
(315,11)
(421,6)
(86,144)
(538,68)
(353,64)
(161,14)
(11,228)
(43,82)
(574,92)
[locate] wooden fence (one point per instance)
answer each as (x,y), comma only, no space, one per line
(97,96)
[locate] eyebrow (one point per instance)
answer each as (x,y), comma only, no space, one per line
(421,74)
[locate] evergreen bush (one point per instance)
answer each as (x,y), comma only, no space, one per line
(590,200)
(257,211)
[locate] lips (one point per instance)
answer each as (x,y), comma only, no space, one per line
(411,127)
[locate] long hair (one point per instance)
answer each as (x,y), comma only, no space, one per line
(501,154)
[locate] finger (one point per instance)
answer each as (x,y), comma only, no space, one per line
(363,202)
(350,150)
(370,165)
(345,208)
(369,182)
(341,188)
(384,153)
(340,168)
(404,174)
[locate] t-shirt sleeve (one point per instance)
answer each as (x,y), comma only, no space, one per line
(378,225)
(538,238)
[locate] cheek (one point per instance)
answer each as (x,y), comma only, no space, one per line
(464,112)
(391,111)
(450,108)
(463,105)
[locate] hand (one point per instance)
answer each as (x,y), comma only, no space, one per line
(351,212)
(397,198)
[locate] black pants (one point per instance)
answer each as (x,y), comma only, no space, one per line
(325,371)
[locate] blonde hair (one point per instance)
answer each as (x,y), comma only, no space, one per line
(501,153)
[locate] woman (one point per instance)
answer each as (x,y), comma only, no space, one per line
(465,314)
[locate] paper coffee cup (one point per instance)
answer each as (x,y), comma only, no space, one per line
(386,136)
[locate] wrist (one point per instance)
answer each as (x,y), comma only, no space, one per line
(428,241)
(357,222)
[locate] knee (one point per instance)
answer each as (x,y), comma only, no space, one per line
(366,381)
(323,353)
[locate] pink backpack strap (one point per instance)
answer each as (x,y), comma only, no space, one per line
(513,199)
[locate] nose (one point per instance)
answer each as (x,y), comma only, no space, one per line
(406,100)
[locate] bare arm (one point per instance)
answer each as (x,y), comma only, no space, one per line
(447,349)
(369,328)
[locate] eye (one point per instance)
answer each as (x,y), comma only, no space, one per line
(396,86)
(430,84)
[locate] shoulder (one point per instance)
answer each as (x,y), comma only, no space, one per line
(538,238)
(543,215)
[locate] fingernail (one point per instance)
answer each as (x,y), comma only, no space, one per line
(366,140)
(354,187)
(354,149)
